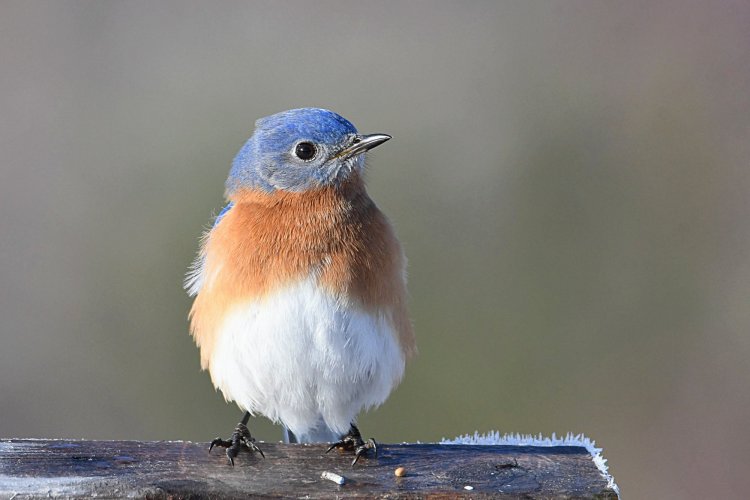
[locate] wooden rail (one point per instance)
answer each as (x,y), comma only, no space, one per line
(32,468)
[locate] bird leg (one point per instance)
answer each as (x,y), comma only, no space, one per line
(353,442)
(241,439)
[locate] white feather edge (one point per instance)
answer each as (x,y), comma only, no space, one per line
(196,276)
(516,439)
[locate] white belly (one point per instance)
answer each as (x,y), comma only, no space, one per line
(304,359)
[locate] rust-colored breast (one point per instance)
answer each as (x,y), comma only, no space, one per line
(267,241)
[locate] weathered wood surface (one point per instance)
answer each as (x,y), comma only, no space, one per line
(169,469)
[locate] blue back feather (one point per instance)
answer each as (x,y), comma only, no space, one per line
(223,212)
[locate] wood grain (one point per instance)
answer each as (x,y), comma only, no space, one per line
(31,468)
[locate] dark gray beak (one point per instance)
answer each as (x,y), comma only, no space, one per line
(363,143)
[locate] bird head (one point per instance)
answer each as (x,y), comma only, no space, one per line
(300,149)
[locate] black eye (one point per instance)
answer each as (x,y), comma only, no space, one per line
(305,151)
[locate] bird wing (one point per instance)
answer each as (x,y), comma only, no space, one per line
(194,276)
(223,212)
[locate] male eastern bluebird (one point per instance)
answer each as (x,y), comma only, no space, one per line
(300,306)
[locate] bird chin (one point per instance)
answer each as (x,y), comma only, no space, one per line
(343,171)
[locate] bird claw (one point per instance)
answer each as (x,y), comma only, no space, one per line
(240,439)
(353,442)
(370,444)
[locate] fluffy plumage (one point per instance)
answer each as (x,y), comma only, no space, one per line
(300,310)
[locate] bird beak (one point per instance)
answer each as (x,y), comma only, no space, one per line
(363,143)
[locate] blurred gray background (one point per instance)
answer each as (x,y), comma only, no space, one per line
(570,181)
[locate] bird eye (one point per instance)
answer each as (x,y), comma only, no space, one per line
(305,151)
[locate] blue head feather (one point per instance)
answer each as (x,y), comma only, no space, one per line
(268,162)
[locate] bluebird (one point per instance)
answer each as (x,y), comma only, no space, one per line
(300,309)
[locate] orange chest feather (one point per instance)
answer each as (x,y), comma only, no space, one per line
(265,242)
(268,241)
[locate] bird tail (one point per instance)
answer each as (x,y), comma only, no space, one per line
(321,434)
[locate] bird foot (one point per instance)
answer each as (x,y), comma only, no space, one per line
(241,439)
(353,442)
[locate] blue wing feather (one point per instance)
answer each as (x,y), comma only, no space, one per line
(194,277)
(223,212)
